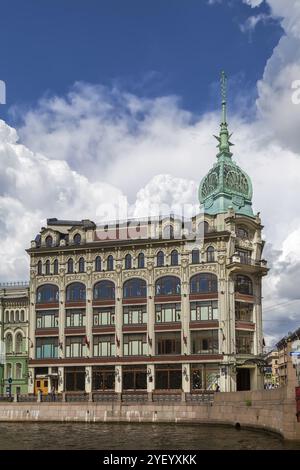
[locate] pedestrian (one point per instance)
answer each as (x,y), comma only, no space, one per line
(53,393)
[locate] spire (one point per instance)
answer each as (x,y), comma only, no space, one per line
(223,139)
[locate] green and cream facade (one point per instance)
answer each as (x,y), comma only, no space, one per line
(14,314)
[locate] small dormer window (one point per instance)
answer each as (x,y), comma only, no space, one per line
(49,241)
(77,239)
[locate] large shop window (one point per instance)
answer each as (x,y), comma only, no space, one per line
(135,315)
(244,342)
(134,288)
(75,318)
(104,290)
(167,313)
(141,260)
(98,264)
(104,316)
(243,311)
(168,377)
(167,285)
(204,283)
(46,348)
(104,345)
(205,342)
(168,343)
(135,345)
(243,285)
(75,346)
(204,311)
(47,293)
(47,319)
(76,292)
(160,259)
(134,377)
(75,379)
(103,378)
(204,376)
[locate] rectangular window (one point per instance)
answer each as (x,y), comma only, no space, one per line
(205,342)
(134,378)
(47,319)
(104,316)
(168,343)
(201,311)
(75,379)
(75,318)
(168,377)
(243,311)
(75,346)
(46,348)
(204,376)
(104,345)
(167,313)
(135,345)
(134,315)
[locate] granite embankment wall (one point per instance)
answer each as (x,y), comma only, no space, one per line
(272,410)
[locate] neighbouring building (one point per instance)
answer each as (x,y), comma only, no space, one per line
(14,333)
(158,305)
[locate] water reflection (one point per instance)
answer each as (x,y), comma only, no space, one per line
(134,436)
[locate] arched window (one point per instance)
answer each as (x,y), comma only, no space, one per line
(167,285)
(47,293)
(134,288)
(128,261)
(110,263)
(243,285)
(104,290)
(47,267)
(18,371)
(7,317)
(8,371)
(9,343)
(98,263)
(168,232)
(141,260)
(81,267)
(174,258)
(12,316)
(49,241)
(39,268)
(17,316)
(203,228)
(76,292)
(22,315)
(19,343)
(70,265)
(210,254)
(160,259)
(204,283)
(55,266)
(195,256)
(77,239)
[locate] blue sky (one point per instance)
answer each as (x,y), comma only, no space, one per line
(151,48)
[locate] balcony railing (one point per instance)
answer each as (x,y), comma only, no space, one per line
(248,261)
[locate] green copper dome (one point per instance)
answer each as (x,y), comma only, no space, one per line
(226,184)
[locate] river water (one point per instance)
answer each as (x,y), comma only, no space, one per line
(106,436)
